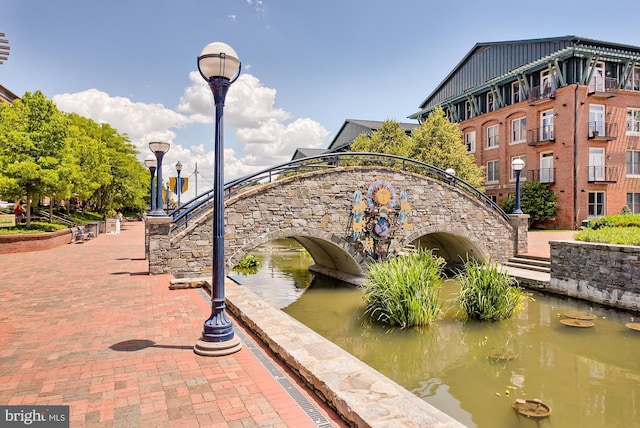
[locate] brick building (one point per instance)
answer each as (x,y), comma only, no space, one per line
(568,106)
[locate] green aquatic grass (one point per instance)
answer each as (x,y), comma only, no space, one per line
(404,291)
(487,292)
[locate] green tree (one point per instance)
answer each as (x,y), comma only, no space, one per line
(389,139)
(536,199)
(438,142)
(32,143)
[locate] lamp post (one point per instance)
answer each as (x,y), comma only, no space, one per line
(159,148)
(518,165)
(179,183)
(152,163)
(219,65)
(452,175)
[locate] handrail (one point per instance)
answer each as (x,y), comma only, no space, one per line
(204,201)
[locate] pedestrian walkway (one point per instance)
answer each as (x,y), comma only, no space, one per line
(84,325)
(539,241)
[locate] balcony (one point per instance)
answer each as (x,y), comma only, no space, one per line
(603,87)
(541,135)
(603,131)
(542,175)
(540,94)
(603,174)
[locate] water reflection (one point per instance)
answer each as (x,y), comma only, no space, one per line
(474,370)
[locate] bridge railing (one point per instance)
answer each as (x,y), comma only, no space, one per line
(199,204)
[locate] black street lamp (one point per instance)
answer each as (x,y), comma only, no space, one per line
(159,148)
(518,165)
(179,184)
(152,163)
(219,65)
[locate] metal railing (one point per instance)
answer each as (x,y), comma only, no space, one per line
(542,175)
(541,93)
(540,135)
(603,85)
(602,174)
(601,130)
(203,202)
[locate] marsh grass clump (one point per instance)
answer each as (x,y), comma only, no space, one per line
(403,291)
(487,292)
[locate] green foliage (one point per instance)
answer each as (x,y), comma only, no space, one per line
(44,152)
(626,210)
(487,292)
(619,220)
(248,261)
(389,139)
(403,291)
(34,227)
(629,235)
(536,199)
(436,142)
(439,142)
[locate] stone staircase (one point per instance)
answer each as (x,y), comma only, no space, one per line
(533,263)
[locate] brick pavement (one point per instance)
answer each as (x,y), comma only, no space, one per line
(84,325)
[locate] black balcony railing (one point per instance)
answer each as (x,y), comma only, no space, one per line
(603,86)
(601,130)
(541,93)
(603,174)
(541,135)
(542,175)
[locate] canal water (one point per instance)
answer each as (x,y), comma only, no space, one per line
(474,371)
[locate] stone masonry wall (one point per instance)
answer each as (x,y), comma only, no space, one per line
(600,273)
(318,205)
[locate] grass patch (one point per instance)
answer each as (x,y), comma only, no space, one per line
(403,291)
(36,227)
(488,292)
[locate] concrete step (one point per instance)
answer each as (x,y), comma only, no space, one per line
(538,264)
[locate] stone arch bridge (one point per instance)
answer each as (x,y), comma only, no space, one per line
(314,206)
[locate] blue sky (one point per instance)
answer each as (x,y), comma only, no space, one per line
(306,65)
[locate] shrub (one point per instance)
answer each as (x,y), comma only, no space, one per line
(618,220)
(536,199)
(487,292)
(611,235)
(403,291)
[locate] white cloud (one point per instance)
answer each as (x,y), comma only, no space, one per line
(141,122)
(264,134)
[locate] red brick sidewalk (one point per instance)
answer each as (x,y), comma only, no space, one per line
(84,325)
(539,241)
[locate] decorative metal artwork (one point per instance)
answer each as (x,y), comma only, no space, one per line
(380,220)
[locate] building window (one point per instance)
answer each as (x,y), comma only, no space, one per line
(516,93)
(633,162)
(491,105)
(468,110)
(523,173)
(493,171)
(492,136)
(633,84)
(633,202)
(596,204)
(633,120)
(519,130)
(470,141)
(546,126)
(547,169)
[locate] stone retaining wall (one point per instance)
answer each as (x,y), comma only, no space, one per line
(600,273)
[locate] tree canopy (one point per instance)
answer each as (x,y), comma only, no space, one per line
(45,152)
(436,141)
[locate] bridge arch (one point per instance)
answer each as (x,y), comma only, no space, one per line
(314,208)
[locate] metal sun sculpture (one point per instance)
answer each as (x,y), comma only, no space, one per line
(380,220)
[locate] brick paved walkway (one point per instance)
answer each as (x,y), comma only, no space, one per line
(85,326)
